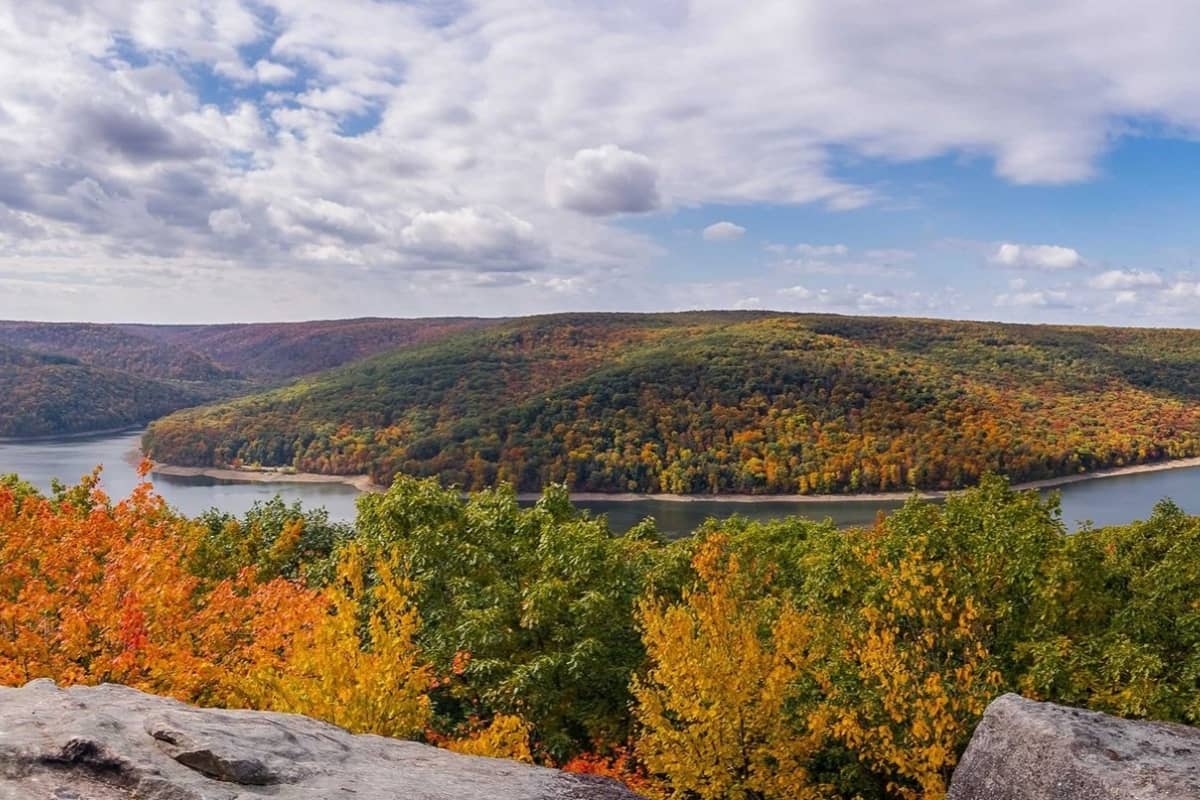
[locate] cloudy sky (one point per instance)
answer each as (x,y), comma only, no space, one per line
(266,160)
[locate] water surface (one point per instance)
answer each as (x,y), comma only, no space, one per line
(1106,501)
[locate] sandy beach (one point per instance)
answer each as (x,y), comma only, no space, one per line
(363,483)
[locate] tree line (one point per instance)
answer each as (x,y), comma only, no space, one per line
(751,660)
(723,403)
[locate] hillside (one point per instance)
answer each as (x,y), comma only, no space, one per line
(271,351)
(78,377)
(110,347)
(51,395)
(723,402)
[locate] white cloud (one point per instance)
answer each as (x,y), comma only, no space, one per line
(273,72)
(1181,290)
(1125,279)
(378,114)
(798,292)
(472,235)
(820,250)
(228,222)
(723,232)
(876,300)
(602,181)
(840,260)
(1036,256)
(1038,298)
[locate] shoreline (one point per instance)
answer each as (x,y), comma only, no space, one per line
(361,482)
(55,437)
(364,484)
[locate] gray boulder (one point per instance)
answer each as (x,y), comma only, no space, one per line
(1025,750)
(109,742)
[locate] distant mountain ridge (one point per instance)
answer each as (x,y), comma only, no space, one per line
(711,402)
(268,351)
(67,378)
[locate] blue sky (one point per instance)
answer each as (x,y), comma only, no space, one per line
(221,160)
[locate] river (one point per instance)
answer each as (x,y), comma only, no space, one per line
(1107,501)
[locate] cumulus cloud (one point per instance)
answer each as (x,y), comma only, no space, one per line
(273,72)
(602,181)
(489,236)
(723,232)
(1036,256)
(1125,279)
(334,132)
(1183,290)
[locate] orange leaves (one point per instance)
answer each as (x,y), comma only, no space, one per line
(94,592)
(620,764)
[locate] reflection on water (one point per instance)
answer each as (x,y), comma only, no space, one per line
(1108,501)
(68,459)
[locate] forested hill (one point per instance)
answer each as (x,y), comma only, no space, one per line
(723,402)
(62,378)
(50,395)
(290,349)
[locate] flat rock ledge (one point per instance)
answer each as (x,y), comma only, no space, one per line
(1025,750)
(112,742)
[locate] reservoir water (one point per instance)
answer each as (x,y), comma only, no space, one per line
(1106,501)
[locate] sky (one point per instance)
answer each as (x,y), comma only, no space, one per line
(262,160)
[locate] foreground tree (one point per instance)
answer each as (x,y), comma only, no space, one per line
(93,591)
(715,707)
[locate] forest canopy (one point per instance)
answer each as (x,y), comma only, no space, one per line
(751,660)
(722,402)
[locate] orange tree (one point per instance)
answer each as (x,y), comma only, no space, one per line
(94,591)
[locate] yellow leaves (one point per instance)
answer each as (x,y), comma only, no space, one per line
(713,706)
(358,666)
(924,674)
(507,736)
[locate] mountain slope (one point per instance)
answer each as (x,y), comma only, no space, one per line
(110,347)
(273,351)
(52,395)
(723,401)
(78,377)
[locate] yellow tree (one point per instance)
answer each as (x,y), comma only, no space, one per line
(359,667)
(714,705)
(920,674)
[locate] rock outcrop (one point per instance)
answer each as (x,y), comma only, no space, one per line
(109,742)
(1025,750)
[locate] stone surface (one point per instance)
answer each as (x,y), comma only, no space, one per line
(111,742)
(1025,750)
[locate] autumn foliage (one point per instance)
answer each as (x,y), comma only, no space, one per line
(753,660)
(714,705)
(93,591)
(718,402)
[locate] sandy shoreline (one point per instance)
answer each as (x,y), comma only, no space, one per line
(361,482)
(364,484)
